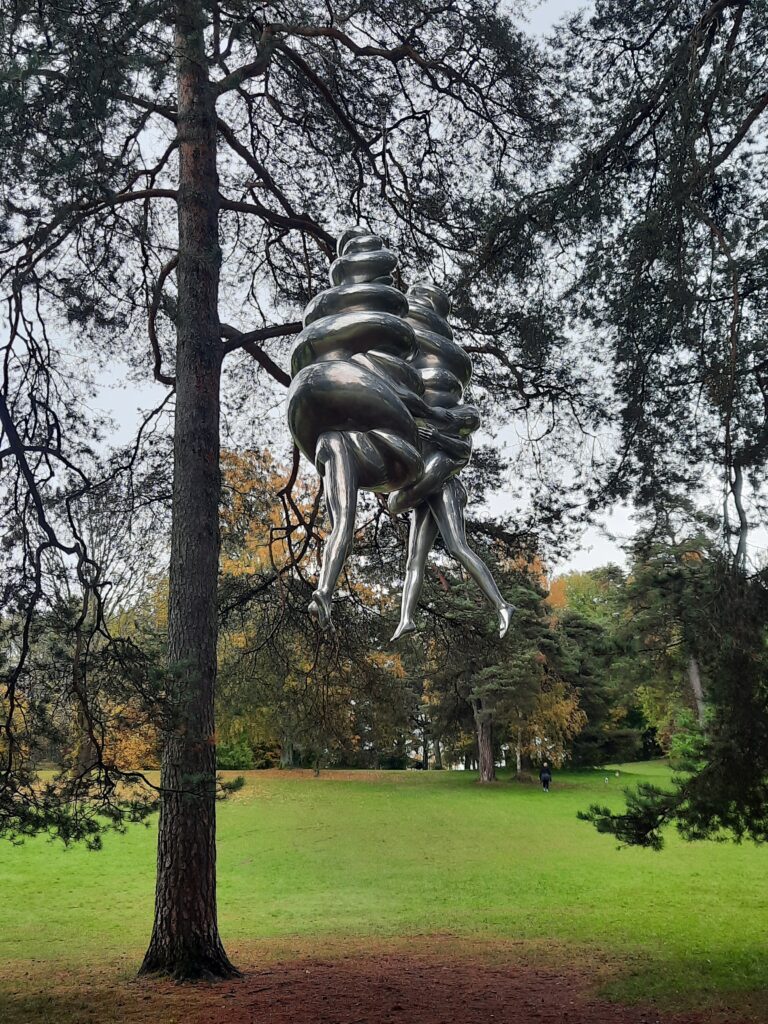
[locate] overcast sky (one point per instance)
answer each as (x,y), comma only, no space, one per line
(543,16)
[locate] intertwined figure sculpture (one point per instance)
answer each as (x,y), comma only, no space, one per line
(376,404)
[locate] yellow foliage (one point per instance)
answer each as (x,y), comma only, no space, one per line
(393,663)
(132,744)
(253,522)
(558,593)
(555,720)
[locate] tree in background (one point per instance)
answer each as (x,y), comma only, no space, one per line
(341,702)
(550,729)
(636,642)
(725,791)
(668,601)
(590,609)
(595,596)
(512,688)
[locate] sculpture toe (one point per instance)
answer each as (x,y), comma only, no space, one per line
(319,609)
(403,629)
(505,615)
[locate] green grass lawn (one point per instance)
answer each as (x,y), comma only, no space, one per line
(411,853)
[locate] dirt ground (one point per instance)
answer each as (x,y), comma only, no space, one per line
(430,980)
(395,988)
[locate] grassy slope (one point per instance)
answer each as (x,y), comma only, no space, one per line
(407,853)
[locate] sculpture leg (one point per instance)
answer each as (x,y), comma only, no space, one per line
(437,468)
(421,537)
(448,509)
(336,465)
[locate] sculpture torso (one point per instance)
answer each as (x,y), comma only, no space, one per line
(445,370)
(350,368)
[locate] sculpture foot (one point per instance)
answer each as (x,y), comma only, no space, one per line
(319,609)
(505,615)
(403,629)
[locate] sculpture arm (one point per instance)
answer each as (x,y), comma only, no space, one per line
(460,419)
(465,419)
(416,405)
(455,446)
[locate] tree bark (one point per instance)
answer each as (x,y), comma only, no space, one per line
(185,939)
(438,754)
(519,751)
(737,489)
(86,755)
(694,677)
(286,753)
(484,727)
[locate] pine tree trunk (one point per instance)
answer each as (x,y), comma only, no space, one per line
(438,754)
(519,752)
(694,677)
(86,754)
(185,939)
(484,727)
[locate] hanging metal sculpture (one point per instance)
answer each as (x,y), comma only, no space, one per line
(376,404)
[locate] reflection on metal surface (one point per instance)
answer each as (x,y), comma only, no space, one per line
(375,404)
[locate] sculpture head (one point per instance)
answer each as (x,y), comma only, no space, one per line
(350,234)
(362,257)
(428,293)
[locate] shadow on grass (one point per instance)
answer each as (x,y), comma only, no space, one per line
(722,984)
(103,997)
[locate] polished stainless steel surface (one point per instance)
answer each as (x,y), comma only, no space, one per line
(438,498)
(375,403)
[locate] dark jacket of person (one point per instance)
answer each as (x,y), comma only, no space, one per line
(545,773)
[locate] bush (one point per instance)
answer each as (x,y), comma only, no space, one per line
(687,746)
(234,756)
(393,762)
(265,755)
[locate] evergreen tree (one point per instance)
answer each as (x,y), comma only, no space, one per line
(590,668)
(656,224)
(726,793)
(667,607)
(590,608)
(476,680)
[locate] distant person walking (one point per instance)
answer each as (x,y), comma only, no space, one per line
(546,776)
